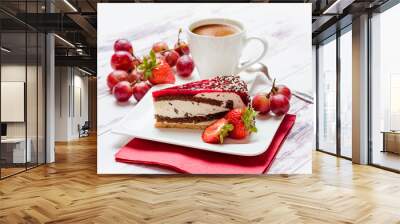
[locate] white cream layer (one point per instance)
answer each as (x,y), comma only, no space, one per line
(178,108)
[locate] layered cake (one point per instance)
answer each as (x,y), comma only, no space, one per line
(197,104)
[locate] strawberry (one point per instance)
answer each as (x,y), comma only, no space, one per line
(156,71)
(162,74)
(243,121)
(217,131)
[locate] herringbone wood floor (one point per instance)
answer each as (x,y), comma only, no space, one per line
(69,191)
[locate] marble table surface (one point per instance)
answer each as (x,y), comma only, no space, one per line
(287,29)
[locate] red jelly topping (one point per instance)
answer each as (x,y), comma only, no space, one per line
(218,84)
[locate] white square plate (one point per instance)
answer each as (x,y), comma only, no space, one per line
(140,123)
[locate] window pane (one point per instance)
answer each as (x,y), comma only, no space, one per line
(327,97)
(385,114)
(346,94)
(14,153)
(23,89)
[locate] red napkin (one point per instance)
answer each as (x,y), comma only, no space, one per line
(194,161)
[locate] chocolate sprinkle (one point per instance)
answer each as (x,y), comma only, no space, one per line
(231,83)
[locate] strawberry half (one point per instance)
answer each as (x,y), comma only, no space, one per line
(243,121)
(157,71)
(217,131)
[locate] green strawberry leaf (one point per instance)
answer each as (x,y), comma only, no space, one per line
(153,57)
(249,119)
(153,60)
(148,64)
(147,74)
(145,62)
(224,132)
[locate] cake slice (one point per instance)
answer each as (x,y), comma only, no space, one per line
(197,104)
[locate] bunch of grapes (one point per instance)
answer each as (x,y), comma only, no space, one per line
(277,100)
(134,76)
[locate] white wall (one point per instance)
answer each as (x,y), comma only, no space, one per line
(79,117)
(70,83)
(62,81)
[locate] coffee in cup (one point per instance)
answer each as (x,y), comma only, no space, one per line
(217,44)
(215,30)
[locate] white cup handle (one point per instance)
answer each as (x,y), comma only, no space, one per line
(251,62)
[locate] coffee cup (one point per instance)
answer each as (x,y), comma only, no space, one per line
(216,45)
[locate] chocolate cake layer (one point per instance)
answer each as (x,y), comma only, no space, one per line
(189,98)
(194,119)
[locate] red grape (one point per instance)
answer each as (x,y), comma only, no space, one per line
(171,57)
(135,76)
(185,66)
(122,91)
(182,48)
(122,60)
(136,61)
(115,77)
(284,90)
(123,45)
(279,104)
(159,47)
(140,89)
(261,103)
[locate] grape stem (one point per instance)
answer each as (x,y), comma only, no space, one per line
(179,35)
(273,89)
(178,41)
(163,51)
